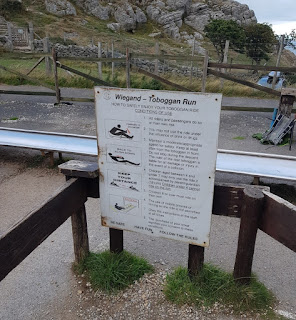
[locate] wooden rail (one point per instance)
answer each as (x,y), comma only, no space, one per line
(255,205)
(18,242)
(244,82)
(128,62)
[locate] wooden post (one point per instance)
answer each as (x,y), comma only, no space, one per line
(89,173)
(100,63)
(116,240)
(195,260)
(80,235)
(128,68)
(112,64)
(205,72)
(9,30)
(156,69)
(192,54)
(288,97)
(56,80)
(278,60)
(252,209)
(225,57)
(46,49)
(31,36)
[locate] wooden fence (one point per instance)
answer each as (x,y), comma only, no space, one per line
(209,68)
(255,206)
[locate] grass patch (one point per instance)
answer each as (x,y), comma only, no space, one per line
(214,285)
(35,161)
(13,118)
(239,138)
(112,272)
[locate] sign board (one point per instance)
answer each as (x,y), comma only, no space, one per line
(157,161)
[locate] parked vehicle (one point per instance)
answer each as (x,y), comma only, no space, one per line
(266,81)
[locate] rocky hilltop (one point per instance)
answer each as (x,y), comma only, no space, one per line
(169,14)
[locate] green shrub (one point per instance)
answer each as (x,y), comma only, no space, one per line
(8,7)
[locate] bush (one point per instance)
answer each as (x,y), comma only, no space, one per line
(8,7)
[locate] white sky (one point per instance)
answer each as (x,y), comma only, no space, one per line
(280,13)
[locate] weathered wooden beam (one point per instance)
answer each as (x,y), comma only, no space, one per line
(25,236)
(244,82)
(35,65)
(84,75)
(251,67)
(116,240)
(121,60)
(156,77)
(89,171)
(279,220)
(228,200)
(196,256)
(23,76)
(78,99)
(251,212)
(166,57)
(286,104)
(80,235)
(55,72)
(28,93)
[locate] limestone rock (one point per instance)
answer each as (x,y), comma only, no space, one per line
(140,16)
(94,8)
(60,7)
(169,14)
(114,27)
(126,17)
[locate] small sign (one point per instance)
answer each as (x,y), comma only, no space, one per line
(157,161)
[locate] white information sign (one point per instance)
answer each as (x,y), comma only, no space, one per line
(157,160)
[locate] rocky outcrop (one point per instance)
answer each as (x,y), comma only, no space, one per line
(169,14)
(60,7)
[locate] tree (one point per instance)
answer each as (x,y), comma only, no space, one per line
(260,41)
(218,31)
(290,39)
(8,7)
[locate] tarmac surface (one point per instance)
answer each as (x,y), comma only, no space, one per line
(43,285)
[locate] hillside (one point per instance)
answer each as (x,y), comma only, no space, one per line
(133,23)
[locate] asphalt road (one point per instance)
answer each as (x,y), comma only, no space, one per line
(40,113)
(47,280)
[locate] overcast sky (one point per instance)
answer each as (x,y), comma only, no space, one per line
(280,13)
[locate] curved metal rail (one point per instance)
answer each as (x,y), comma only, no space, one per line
(247,163)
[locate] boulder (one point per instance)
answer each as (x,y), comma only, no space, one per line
(60,7)
(198,22)
(126,17)
(114,27)
(140,16)
(94,8)
(179,4)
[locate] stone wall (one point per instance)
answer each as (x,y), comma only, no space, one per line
(92,52)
